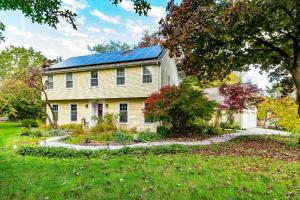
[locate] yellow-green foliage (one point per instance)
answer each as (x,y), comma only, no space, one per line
(76,129)
(285,110)
(102,128)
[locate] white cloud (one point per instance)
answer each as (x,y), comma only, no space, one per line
(135,27)
(75,5)
(104,17)
(80,20)
(67,30)
(157,12)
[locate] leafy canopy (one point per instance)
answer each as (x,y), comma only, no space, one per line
(238,96)
(109,47)
(51,12)
(14,60)
(282,110)
(215,38)
(179,105)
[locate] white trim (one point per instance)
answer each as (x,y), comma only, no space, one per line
(70,118)
(90,79)
(127,113)
(116,73)
(66,80)
(142,75)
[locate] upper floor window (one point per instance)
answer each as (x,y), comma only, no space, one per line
(50,82)
(55,112)
(147,74)
(123,113)
(121,76)
(94,78)
(69,80)
(73,113)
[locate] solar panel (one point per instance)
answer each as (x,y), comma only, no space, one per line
(110,57)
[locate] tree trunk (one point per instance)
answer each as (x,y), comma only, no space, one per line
(296,78)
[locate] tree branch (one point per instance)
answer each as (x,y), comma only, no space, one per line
(280,51)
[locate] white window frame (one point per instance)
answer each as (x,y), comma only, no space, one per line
(70,112)
(121,76)
(150,122)
(50,82)
(127,112)
(57,110)
(69,80)
(94,78)
(151,73)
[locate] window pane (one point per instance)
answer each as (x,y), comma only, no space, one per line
(123,118)
(94,82)
(147,74)
(121,72)
(69,84)
(50,82)
(120,80)
(55,112)
(69,76)
(147,120)
(73,112)
(94,74)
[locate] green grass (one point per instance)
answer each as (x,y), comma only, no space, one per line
(179,176)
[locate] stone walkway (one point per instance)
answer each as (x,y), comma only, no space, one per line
(57,141)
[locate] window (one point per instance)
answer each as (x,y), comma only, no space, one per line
(55,112)
(123,113)
(147,74)
(121,76)
(50,82)
(73,112)
(94,78)
(69,80)
(147,120)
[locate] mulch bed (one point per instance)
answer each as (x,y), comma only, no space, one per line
(259,147)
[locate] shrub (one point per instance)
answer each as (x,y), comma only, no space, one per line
(70,153)
(147,137)
(122,136)
(179,104)
(108,118)
(102,128)
(163,131)
(34,132)
(76,129)
(29,123)
(56,132)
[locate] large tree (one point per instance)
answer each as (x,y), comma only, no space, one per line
(108,47)
(50,12)
(215,38)
(149,39)
(14,60)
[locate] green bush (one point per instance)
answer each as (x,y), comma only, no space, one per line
(108,118)
(147,137)
(76,129)
(163,131)
(122,136)
(56,132)
(226,125)
(70,153)
(33,132)
(102,128)
(29,123)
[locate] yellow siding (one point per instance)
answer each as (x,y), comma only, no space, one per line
(135,112)
(64,111)
(107,85)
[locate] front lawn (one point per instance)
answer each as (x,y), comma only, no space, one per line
(235,170)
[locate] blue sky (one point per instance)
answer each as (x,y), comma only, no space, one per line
(98,21)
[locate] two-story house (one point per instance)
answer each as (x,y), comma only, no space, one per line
(82,87)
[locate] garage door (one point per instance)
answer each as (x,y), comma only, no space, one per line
(248,119)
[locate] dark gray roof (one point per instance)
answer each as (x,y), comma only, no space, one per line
(136,54)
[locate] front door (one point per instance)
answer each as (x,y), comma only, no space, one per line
(100,110)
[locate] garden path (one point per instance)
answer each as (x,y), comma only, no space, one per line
(57,141)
